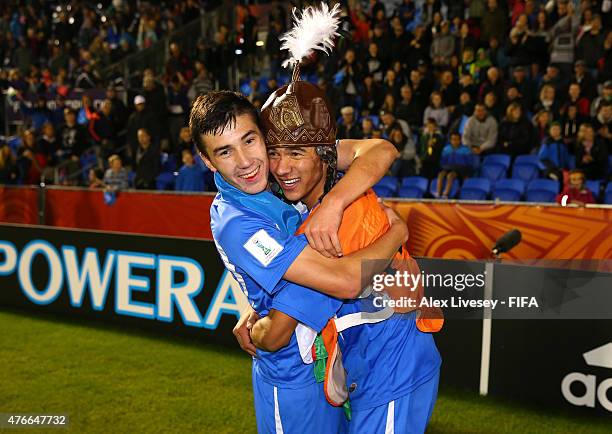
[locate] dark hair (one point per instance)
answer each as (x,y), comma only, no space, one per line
(213,112)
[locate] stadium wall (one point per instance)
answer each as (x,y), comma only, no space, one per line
(179,286)
(451,230)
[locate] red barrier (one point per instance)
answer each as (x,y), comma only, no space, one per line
(437,229)
(176,215)
(19,205)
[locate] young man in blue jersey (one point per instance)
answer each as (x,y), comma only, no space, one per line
(393,365)
(254,234)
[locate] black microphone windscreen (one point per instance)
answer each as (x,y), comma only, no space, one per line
(508,241)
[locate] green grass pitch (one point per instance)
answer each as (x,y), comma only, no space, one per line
(109,380)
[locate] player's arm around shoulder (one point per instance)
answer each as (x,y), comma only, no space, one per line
(365,162)
(342,277)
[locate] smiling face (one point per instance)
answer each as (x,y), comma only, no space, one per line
(238,153)
(300,173)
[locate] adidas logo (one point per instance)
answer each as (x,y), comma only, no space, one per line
(600,357)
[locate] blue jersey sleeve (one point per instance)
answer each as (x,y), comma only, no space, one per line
(260,249)
(306,305)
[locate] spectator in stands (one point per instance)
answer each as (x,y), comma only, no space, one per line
(541,122)
(190,176)
(367,128)
(119,112)
(30,160)
(390,122)
(563,37)
(177,64)
(95,178)
(391,84)
(515,135)
(554,155)
(431,144)
(116,176)
(570,122)
(574,96)
(178,108)
(576,192)
(591,153)
(8,165)
(548,101)
(348,78)
(405,165)
(374,66)
(584,79)
(456,162)
(437,111)
(141,118)
(349,128)
(48,144)
(371,98)
(146,162)
(202,82)
(493,105)
(407,108)
(493,24)
(603,123)
(106,130)
(480,133)
(442,46)
(591,44)
(184,143)
(73,137)
(606,95)
(155,97)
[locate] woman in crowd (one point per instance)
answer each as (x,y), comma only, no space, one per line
(514,137)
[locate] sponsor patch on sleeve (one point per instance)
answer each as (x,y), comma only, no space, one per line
(263,247)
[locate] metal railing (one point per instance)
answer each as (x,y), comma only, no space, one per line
(156,56)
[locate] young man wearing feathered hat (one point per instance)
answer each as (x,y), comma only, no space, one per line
(254,234)
(391,359)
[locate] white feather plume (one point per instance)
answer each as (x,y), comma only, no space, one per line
(313,29)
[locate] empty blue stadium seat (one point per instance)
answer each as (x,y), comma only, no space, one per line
(510,190)
(415,181)
(386,187)
(502,159)
(165,181)
(454,188)
(527,159)
(475,189)
(608,194)
(542,190)
(493,171)
(594,186)
(410,192)
(413,187)
(526,168)
(525,171)
(383,191)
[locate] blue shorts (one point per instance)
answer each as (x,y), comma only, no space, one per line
(295,411)
(406,415)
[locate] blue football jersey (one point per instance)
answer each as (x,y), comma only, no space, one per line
(258,251)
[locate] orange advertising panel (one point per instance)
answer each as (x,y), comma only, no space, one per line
(469,231)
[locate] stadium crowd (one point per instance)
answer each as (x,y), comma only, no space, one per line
(449,83)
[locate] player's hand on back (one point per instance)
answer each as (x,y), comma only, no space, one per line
(396,222)
(241,331)
(322,229)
